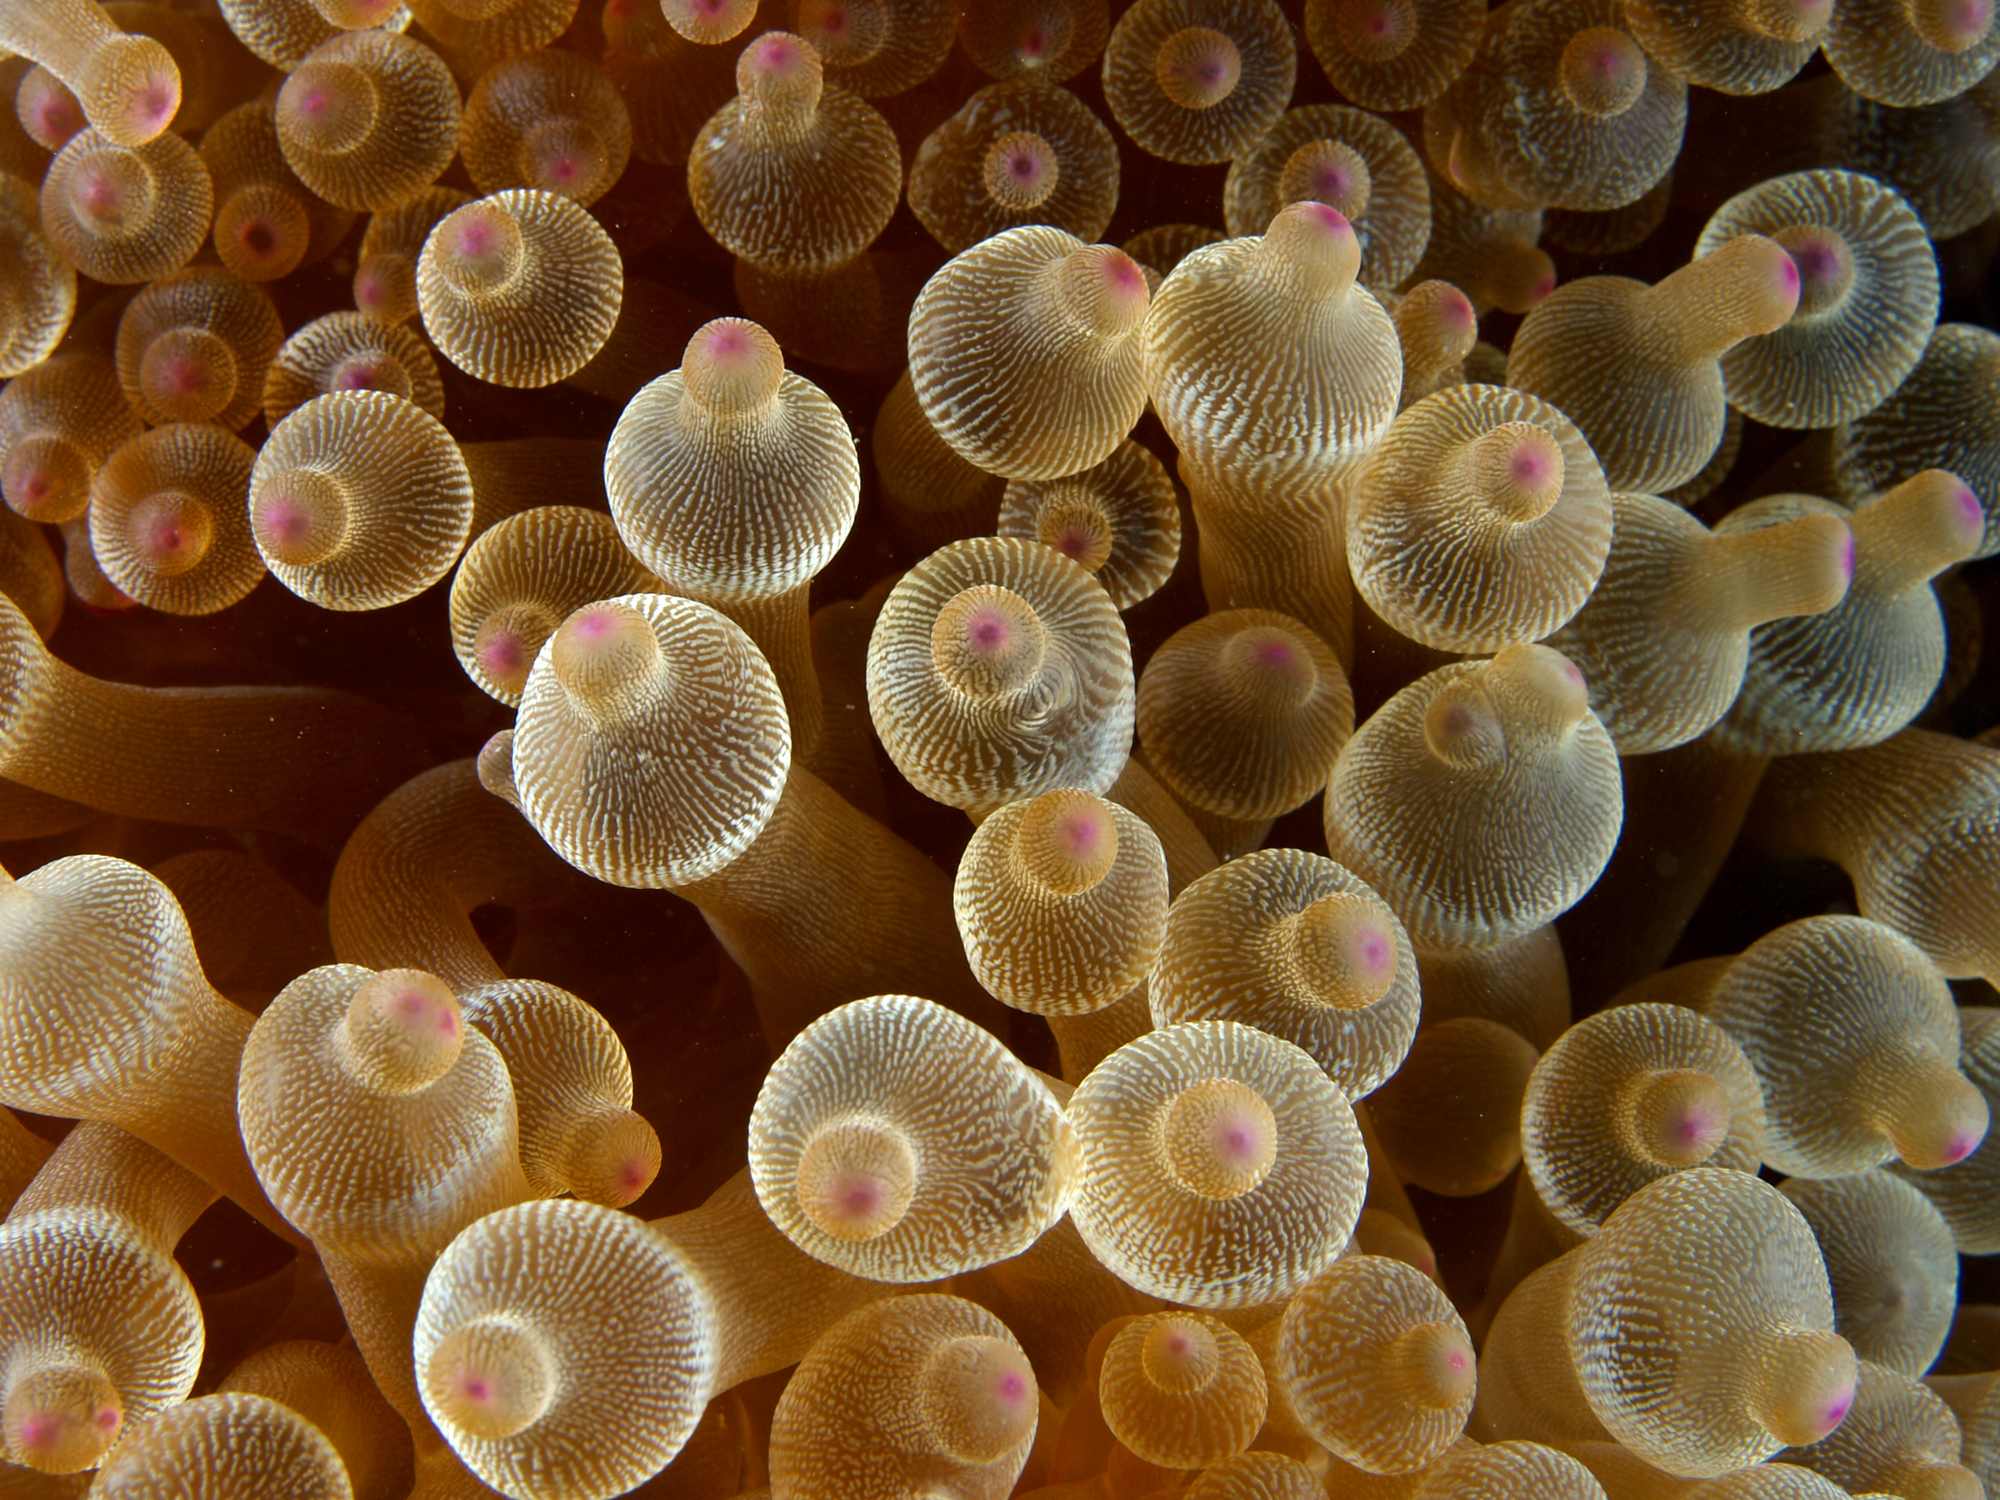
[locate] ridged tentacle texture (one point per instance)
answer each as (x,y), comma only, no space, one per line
(1182,1390)
(1480,801)
(385,270)
(1665,637)
(381,1124)
(1238,323)
(1297,946)
(1377,1365)
(351,351)
(1868,297)
(1636,367)
(1061,901)
(99,1327)
(229,1446)
(42,283)
(1855,674)
(520,288)
(369,119)
(1844,998)
(1481,519)
(167,520)
(925,1394)
(572,1092)
(194,347)
(1927,423)
(1507,1471)
(1018,152)
(879,47)
(549,120)
(1026,353)
(736,481)
(998,669)
(1915,822)
(1052,39)
(1393,54)
(1221,1167)
(329,1385)
(795,173)
(126,214)
(267,222)
(897,1141)
(1241,715)
(1630,1095)
(1731,46)
(1906,53)
(1891,1262)
(1199,80)
(1899,1439)
(1560,109)
(1966,1193)
(522,577)
(543,1385)
(360,500)
(1697,1326)
(127,86)
(58,422)
(656,717)
(1120,520)
(1273,373)
(538,1387)
(107,1016)
(1349,160)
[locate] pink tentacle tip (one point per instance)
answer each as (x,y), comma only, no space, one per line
(776,53)
(1835,1411)
(1329,219)
(1455,311)
(1960,1146)
(282,520)
(1970,511)
(1788,276)
(1374,952)
(1847,555)
(1544,284)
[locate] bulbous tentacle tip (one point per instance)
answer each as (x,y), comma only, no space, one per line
(496,767)
(62,1419)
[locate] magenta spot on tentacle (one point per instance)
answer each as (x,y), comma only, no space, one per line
(595,624)
(502,655)
(165,538)
(58,116)
(1788,274)
(1544,284)
(283,520)
(108,1419)
(40,1430)
(1275,656)
(312,102)
(1969,508)
(1329,218)
(156,106)
(474,237)
(1847,555)
(182,375)
(1835,1411)
(1033,46)
(1074,543)
(1455,311)
(1529,466)
(1374,950)
(776,53)
(833,21)
(1573,673)
(98,192)
(358,375)
(1961,1146)
(1011,1388)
